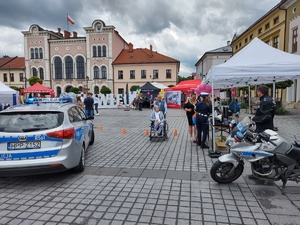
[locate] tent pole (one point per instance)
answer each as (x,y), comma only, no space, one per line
(249,98)
(274,91)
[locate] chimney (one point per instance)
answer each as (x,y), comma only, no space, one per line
(58,31)
(228,43)
(67,34)
(151,53)
(74,34)
(130,47)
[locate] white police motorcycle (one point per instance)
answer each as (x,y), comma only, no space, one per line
(271,157)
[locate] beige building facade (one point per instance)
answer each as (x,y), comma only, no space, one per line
(64,60)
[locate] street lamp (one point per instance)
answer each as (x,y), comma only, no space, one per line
(25,79)
(87,83)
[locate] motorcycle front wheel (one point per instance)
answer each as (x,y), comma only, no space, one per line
(224,172)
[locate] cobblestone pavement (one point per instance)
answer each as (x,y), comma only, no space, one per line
(131,180)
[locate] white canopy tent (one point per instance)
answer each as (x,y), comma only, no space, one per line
(257,63)
(8,95)
(159,85)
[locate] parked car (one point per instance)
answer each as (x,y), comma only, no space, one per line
(43,137)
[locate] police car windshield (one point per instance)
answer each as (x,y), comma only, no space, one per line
(30,121)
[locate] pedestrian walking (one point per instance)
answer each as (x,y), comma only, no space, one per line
(96,104)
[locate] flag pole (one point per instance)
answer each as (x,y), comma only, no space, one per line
(67,22)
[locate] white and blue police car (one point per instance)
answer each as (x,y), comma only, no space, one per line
(44,136)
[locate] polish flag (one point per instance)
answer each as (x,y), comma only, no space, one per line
(71,20)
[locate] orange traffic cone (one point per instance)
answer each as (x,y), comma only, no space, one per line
(175,132)
(147,132)
(100,128)
(124,131)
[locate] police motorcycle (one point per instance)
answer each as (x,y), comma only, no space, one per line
(271,156)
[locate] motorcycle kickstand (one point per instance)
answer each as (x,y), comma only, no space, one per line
(283,186)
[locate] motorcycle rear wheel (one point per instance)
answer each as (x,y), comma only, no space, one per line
(219,172)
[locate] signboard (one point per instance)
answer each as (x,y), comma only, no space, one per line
(173,99)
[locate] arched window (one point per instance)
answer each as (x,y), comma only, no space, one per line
(36,51)
(34,72)
(31,53)
(80,67)
(96,72)
(58,68)
(41,53)
(99,51)
(69,67)
(94,51)
(96,90)
(41,71)
(103,72)
(58,91)
(104,51)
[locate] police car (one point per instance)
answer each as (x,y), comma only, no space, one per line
(44,136)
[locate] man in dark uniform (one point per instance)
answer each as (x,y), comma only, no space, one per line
(265,112)
(89,105)
(203,109)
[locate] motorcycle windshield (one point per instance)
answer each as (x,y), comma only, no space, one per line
(241,126)
(244,124)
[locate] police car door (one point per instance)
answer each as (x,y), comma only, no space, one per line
(79,126)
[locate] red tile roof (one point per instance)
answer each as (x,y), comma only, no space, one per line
(141,56)
(12,63)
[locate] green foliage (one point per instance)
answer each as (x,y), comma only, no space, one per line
(245,89)
(33,80)
(184,78)
(15,88)
(75,90)
(281,111)
(224,102)
(105,90)
(244,105)
(134,87)
(281,85)
(171,85)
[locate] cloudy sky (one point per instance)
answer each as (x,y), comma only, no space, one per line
(183,30)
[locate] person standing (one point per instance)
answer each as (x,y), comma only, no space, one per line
(265,112)
(161,104)
(96,104)
(141,101)
(189,108)
(22,99)
(79,102)
(89,105)
(203,109)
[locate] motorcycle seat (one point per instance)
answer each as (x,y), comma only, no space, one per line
(294,152)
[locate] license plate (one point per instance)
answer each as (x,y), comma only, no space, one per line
(23,145)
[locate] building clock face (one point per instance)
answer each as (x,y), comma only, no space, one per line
(99,27)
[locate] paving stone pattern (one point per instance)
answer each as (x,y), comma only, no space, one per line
(132,180)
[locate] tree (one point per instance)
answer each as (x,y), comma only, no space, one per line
(281,85)
(105,90)
(75,90)
(134,87)
(15,88)
(184,78)
(34,79)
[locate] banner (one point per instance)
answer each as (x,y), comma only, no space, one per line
(173,99)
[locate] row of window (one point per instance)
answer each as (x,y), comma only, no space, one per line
(144,74)
(260,30)
(69,68)
(12,77)
(36,53)
(99,51)
(59,90)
